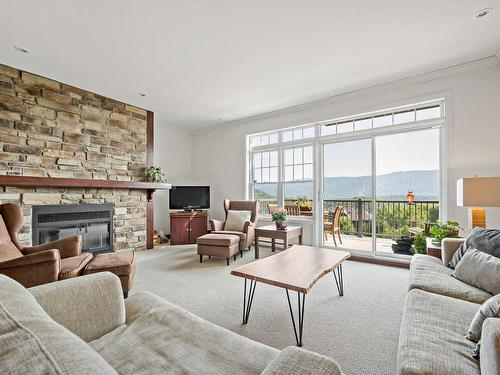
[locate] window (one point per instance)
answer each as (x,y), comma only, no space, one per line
(298,134)
(283,164)
(265,166)
(264,139)
(284,184)
(298,176)
(265,177)
(298,163)
(380,120)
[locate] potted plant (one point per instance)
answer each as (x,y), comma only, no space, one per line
(304,203)
(154,174)
(279,218)
(419,243)
(447,229)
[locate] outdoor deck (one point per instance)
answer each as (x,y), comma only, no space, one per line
(355,243)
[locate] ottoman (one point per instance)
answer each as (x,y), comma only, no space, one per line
(121,263)
(219,245)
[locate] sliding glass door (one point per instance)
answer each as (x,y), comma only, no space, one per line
(407,186)
(348,195)
(379,188)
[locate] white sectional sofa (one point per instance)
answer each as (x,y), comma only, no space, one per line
(437,314)
(84,326)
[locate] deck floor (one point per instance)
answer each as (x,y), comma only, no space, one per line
(350,242)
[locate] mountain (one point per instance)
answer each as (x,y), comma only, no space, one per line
(425,185)
(392,186)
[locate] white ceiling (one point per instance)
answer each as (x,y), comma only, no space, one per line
(206,62)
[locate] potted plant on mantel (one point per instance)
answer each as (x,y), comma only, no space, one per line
(154,174)
(447,229)
(279,218)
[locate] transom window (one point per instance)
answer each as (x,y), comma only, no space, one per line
(380,120)
(298,134)
(264,139)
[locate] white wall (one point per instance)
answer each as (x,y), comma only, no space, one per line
(472,131)
(173,153)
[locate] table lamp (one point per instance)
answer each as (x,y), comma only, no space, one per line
(478,192)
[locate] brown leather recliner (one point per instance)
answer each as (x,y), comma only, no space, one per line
(35,265)
(248,234)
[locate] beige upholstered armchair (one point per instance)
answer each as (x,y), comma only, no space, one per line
(248,231)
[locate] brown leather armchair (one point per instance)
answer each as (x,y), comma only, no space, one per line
(248,234)
(35,265)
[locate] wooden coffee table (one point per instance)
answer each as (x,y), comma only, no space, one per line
(270,231)
(296,269)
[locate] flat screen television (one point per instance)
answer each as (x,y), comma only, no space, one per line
(189,197)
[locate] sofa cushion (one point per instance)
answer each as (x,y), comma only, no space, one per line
(479,269)
(490,347)
(294,360)
(89,306)
(483,239)
(429,274)
(236,220)
(73,266)
(21,351)
(489,309)
(241,235)
(120,263)
(69,352)
(431,339)
(160,337)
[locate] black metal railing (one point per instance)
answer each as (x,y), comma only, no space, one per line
(393,217)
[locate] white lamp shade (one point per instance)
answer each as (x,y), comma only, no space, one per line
(478,192)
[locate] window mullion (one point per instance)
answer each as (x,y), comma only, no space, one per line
(281,171)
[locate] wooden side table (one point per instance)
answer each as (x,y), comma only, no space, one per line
(432,248)
(270,231)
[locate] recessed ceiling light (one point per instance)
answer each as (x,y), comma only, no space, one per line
(142,94)
(483,12)
(21,49)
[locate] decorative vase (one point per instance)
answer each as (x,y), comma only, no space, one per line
(280,224)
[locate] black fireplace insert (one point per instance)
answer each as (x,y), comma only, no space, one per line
(94,222)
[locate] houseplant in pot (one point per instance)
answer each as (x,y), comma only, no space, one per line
(279,218)
(154,174)
(444,229)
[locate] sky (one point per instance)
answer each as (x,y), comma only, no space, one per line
(417,150)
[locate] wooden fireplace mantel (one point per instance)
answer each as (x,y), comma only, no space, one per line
(27,181)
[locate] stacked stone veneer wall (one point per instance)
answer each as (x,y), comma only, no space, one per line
(51,129)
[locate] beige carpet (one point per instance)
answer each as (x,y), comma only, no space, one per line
(360,330)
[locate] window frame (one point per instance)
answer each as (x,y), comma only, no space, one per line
(318,140)
(280,148)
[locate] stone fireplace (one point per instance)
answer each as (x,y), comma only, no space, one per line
(55,131)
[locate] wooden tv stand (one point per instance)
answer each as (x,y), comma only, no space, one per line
(186,227)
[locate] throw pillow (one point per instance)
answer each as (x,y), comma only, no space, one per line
(236,219)
(480,270)
(485,240)
(489,309)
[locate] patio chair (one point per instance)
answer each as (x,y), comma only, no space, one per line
(327,224)
(333,226)
(292,209)
(271,208)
